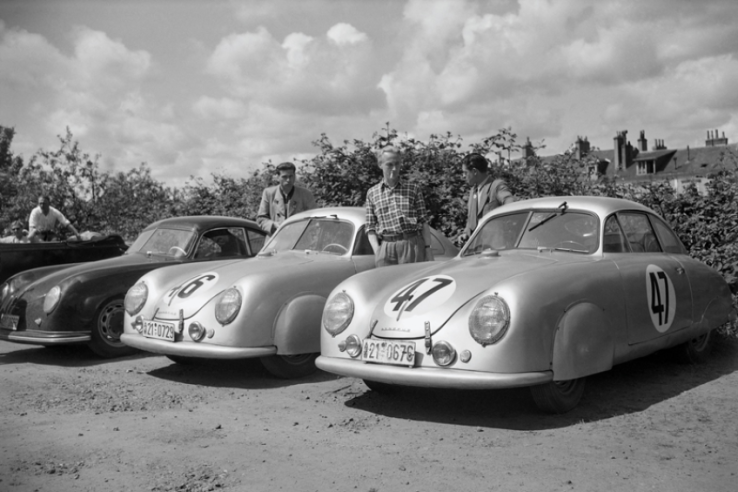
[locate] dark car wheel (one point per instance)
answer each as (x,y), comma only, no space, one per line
(290,366)
(383,388)
(696,350)
(106,330)
(558,396)
(184,360)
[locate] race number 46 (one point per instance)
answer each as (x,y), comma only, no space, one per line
(661,298)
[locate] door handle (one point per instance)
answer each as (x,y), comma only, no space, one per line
(680,271)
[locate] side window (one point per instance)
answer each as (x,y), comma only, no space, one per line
(638,230)
(363,246)
(256,241)
(613,240)
(669,240)
(221,243)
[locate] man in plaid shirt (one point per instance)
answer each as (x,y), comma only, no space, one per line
(396,222)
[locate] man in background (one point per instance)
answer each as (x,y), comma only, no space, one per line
(396,218)
(284,200)
(45,220)
(18,234)
(486,193)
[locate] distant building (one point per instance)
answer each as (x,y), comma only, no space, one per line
(680,167)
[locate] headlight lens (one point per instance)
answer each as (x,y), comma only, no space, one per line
(196,331)
(443,353)
(136,298)
(228,306)
(52,299)
(489,320)
(338,312)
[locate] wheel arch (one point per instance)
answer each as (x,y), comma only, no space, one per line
(297,325)
(583,342)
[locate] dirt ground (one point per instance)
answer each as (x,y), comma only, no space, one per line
(71,421)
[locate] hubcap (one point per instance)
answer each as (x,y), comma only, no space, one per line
(110,323)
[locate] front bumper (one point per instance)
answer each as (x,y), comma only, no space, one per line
(37,337)
(194,349)
(431,377)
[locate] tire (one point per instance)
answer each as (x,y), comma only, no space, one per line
(383,388)
(183,360)
(290,366)
(696,350)
(558,396)
(106,330)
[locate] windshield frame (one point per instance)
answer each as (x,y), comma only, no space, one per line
(580,242)
(297,238)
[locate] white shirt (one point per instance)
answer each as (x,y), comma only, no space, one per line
(41,223)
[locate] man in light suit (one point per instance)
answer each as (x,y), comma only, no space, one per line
(284,200)
(486,193)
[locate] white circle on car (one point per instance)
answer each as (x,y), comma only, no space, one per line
(199,284)
(420,296)
(661,298)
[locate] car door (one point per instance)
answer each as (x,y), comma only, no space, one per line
(657,292)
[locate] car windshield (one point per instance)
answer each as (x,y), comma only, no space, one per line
(558,229)
(163,242)
(324,234)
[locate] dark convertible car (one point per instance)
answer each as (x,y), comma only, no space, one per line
(83,303)
(17,257)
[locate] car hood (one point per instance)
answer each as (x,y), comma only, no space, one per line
(93,268)
(434,295)
(279,276)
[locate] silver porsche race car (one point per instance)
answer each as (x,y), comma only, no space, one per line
(545,293)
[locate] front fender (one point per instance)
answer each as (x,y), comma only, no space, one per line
(583,343)
(297,326)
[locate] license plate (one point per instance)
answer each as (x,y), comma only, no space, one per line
(388,352)
(157,329)
(9,321)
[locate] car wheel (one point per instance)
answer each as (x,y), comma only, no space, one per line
(106,330)
(185,361)
(290,366)
(558,396)
(384,388)
(696,350)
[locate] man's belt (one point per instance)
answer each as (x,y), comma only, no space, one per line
(392,237)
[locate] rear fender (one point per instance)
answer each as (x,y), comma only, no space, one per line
(297,327)
(583,344)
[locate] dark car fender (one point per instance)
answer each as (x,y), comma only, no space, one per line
(583,342)
(297,325)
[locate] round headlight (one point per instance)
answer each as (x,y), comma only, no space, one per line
(338,312)
(353,346)
(443,353)
(228,306)
(489,320)
(52,299)
(136,298)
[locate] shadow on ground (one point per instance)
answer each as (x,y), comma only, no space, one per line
(237,374)
(627,388)
(59,355)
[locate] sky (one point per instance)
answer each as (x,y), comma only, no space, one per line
(196,88)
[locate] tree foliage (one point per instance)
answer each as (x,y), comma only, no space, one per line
(341,174)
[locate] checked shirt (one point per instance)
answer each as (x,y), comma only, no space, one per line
(395,210)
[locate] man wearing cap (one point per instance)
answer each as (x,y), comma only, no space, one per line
(486,193)
(19,235)
(396,222)
(284,200)
(44,221)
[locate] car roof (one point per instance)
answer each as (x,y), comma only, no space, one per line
(356,215)
(602,206)
(202,223)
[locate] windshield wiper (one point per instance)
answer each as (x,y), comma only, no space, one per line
(562,209)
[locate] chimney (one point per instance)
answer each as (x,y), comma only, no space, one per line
(528,150)
(582,147)
(642,142)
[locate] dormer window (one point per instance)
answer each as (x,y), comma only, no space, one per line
(644,167)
